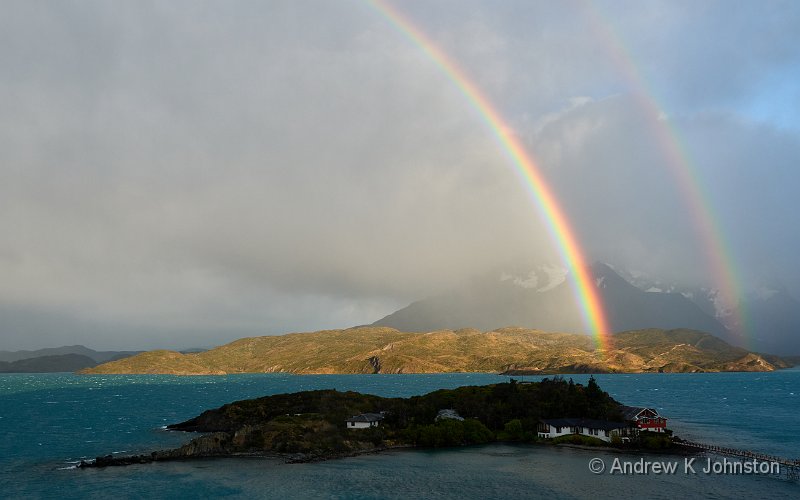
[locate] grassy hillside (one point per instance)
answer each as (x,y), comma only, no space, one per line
(386,350)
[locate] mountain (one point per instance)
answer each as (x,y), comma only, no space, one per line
(57,359)
(48,364)
(628,307)
(490,302)
(547,301)
(386,350)
(773,317)
(97,356)
(770,313)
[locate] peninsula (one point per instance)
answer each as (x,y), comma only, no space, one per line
(511,350)
(323,424)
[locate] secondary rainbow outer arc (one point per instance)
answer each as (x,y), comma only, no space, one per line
(552,213)
(717,250)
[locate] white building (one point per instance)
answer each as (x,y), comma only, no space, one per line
(364,421)
(449,414)
(600,429)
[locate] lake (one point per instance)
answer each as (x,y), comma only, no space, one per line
(48,422)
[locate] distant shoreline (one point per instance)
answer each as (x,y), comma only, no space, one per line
(511,373)
(511,350)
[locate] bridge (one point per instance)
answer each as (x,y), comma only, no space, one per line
(789,466)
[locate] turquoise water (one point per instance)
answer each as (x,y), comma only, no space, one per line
(50,421)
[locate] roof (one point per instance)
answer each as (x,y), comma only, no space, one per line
(366,417)
(448,414)
(632,412)
(605,425)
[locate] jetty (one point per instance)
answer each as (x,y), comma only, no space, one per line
(791,467)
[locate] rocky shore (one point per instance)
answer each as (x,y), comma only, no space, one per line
(211,447)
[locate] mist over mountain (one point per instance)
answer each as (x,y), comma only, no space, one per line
(775,320)
(486,302)
(767,317)
(544,299)
(193,173)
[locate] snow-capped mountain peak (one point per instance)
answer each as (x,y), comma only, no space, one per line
(543,278)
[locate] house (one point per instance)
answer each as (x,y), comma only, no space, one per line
(645,419)
(449,414)
(364,421)
(600,429)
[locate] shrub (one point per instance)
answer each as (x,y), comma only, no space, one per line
(579,440)
(475,432)
(656,442)
(449,433)
(513,429)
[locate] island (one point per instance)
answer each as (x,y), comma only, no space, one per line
(324,424)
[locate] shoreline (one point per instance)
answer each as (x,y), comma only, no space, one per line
(288,458)
(312,426)
(676,449)
(300,458)
(508,373)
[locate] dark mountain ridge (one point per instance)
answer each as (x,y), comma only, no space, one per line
(487,303)
(57,359)
(48,364)
(97,356)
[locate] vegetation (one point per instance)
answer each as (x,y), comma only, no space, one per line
(311,425)
(511,350)
(578,439)
(313,422)
(655,441)
(448,433)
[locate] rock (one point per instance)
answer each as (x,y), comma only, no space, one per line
(375,362)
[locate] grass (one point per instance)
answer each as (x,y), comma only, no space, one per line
(349,351)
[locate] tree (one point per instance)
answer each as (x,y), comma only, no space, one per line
(514,429)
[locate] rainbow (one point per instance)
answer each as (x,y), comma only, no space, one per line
(556,221)
(713,242)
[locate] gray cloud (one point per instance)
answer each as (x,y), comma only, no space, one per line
(632,208)
(184,173)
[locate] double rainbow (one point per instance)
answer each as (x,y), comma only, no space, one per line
(717,252)
(555,220)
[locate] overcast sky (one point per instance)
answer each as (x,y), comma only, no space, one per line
(179,174)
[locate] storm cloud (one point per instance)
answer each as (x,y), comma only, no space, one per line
(175,174)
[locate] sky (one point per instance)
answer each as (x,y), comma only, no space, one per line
(181,174)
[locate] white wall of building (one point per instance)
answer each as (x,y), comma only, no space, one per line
(361,425)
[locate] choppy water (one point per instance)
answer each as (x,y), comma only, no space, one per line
(50,421)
